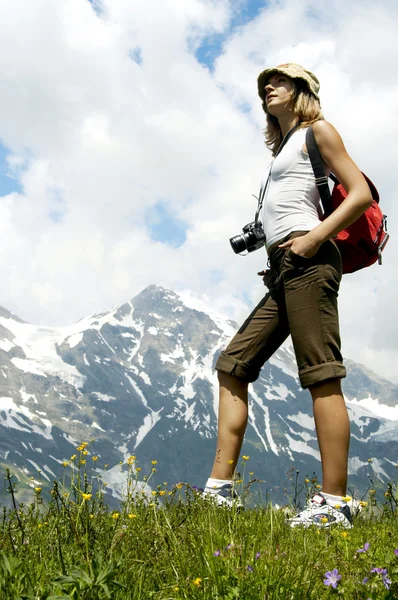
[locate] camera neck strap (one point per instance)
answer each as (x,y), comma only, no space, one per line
(264,189)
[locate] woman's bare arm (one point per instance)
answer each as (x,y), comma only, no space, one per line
(354,205)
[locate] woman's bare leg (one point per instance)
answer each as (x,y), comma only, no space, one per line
(232,421)
(333,431)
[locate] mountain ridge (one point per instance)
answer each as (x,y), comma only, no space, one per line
(139,379)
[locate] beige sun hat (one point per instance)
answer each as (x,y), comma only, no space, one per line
(292,70)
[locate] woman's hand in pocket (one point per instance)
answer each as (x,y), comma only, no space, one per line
(304,246)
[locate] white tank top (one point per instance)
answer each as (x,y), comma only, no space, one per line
(291,200)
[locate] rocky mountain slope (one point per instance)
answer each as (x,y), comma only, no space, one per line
(139,380)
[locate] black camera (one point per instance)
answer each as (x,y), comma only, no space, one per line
(252,238)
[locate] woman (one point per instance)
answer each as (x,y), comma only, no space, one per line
(303,282)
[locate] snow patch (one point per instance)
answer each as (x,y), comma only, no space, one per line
(303,420)
(144,377)
(148,424)
(302,447)
(104,397)
(96,426)
(376,408)
(39,345)
(6,345)
(74,339)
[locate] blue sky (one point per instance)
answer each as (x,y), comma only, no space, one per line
(211,47)
(7,184)
(166,227)
(163,226)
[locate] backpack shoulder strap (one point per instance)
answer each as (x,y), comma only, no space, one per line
(321,179)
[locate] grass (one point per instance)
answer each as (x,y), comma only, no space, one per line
(173,544)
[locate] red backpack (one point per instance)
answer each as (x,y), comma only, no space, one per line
(362,243)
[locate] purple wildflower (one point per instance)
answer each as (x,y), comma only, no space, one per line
(258,555)
(249,568)
(365,580)
(396,552)
(365,548)
(379,571)
(197,489)
(228,547)
(332,578)
(384,576)
(387,582)
(217,553)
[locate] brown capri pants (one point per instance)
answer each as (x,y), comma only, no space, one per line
(302,301)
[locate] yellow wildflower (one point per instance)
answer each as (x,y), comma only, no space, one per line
(362,503)
(87,496)
(153,493)
(94,458)
(115,516)
(65,463)
(372,492)
(83,461)
(346,498)
(178,486)
(318,487)
(306,480)
(176,589)
(344,534)
(369,460)
(324,519)
(40,525)
(338,506)
(104,483)
(91,516)
(131,516)
(138,469)
(85,452)
(244,458)
(162,493)
(154,462)
(73,457)
(231,462)
(251,472)
(152,504)
(197,581)
(105,466)
(153,470)
(38,490)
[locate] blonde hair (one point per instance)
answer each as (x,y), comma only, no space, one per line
(306,108)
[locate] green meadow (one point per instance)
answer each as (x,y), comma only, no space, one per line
(173,544)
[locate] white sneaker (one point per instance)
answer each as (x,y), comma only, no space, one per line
(319,513)
(225,496)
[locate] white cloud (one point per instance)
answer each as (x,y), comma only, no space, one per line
(97,139)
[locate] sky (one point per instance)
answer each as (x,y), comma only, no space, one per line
(131,144)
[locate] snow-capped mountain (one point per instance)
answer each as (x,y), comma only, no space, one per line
(139,380)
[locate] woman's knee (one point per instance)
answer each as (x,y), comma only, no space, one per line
(231,382)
